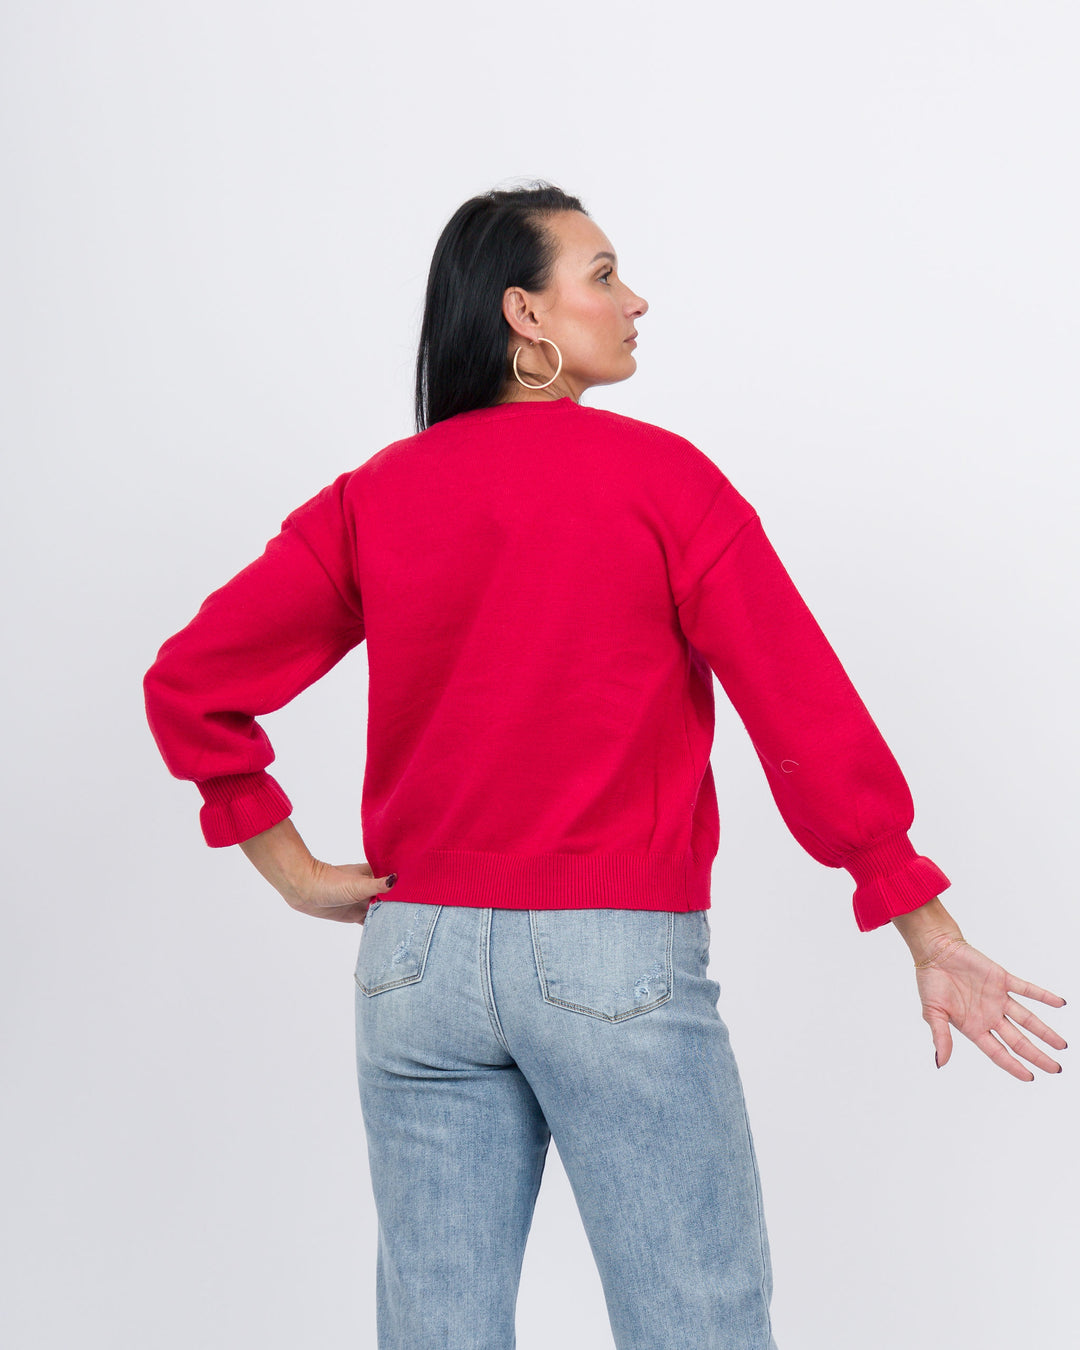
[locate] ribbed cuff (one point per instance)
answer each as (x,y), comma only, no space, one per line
(891,879)
(239,806)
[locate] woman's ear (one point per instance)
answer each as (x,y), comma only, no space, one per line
(518,312)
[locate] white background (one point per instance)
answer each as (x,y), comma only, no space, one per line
(856,226)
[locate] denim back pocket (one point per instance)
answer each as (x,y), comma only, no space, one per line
(606,963)
(394,945)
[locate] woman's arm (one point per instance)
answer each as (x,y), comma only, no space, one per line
(256,642)
(834,778)
(927,929)
(274,629)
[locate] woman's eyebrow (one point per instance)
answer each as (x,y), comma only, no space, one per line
(601,255)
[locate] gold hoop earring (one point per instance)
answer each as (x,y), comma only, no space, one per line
(520,381)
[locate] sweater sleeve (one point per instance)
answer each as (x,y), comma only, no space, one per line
(255,643)
(832,776)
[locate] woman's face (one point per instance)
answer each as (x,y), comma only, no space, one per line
(587,311)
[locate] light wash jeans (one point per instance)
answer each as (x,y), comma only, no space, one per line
(482,1033)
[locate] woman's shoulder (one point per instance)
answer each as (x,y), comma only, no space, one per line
(646,451)
(672,450)
(635,425)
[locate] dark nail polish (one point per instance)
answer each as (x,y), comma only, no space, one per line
(391,879)
(936,1059)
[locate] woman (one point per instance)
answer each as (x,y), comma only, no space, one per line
(546,591)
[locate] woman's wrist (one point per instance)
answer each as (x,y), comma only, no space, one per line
(928,929)
(281,856)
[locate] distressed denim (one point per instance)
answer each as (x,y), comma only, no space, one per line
(483,1033)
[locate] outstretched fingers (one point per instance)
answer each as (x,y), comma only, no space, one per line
(1028,990)
(1020,1045)
(1025,1018)
(993,1048)
(974,994)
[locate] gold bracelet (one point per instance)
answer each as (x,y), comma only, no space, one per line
(937,956)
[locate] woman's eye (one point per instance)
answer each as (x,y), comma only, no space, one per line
(604,275)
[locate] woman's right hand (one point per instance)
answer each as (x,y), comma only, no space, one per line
(959,986)
(968,990)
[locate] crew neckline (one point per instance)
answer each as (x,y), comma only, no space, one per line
(521,406)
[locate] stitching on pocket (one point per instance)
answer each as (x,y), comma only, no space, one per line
(389,957)
(658,967)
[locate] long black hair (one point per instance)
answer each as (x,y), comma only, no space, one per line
(491,242)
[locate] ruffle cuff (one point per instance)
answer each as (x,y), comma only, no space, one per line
(240,805)
(891,879)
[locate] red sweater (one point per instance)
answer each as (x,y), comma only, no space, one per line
(546,590)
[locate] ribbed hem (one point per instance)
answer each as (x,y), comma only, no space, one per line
(551,880)
(891,879)
(239,806)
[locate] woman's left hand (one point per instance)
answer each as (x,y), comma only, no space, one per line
(971,992)
(309,886)
(342,891)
